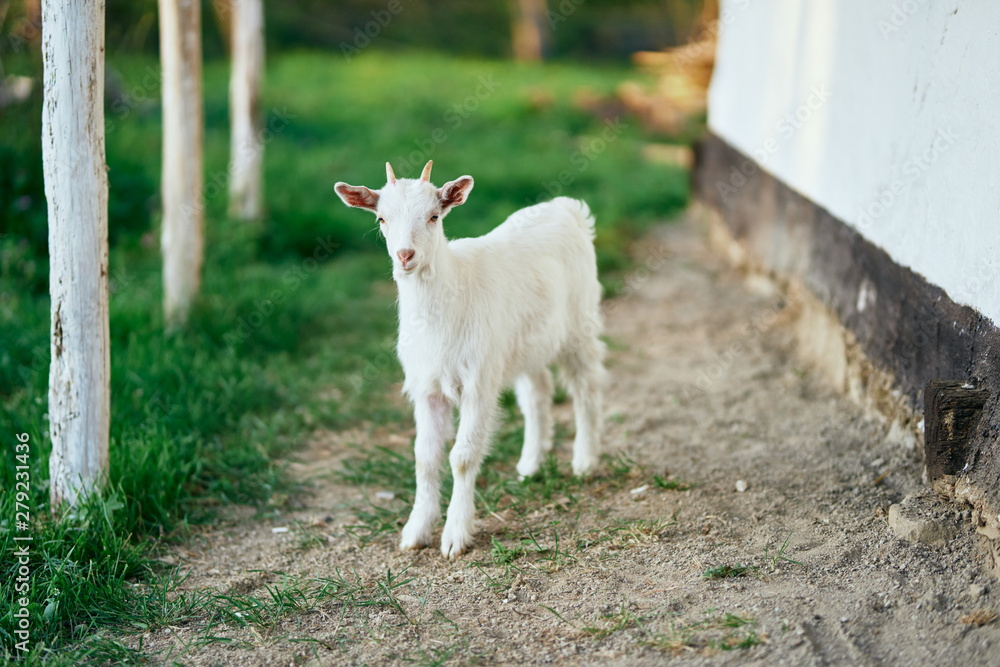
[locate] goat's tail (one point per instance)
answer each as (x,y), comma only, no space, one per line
(580,212)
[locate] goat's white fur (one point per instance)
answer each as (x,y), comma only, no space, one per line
(479,314)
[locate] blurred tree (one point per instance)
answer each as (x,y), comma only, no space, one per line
(76,187)
(529,30)
(183,136)
(246,142)
(4,8)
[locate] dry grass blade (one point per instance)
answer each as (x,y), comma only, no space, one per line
(879,479)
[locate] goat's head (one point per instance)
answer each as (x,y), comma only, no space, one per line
(410,213)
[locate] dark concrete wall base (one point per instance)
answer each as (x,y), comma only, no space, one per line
(909,331)
(964,493)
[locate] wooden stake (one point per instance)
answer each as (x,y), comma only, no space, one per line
(76,188)
(247,145)
(183,132)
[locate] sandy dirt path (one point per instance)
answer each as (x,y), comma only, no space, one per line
(705,391)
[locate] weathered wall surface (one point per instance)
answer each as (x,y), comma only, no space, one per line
(909,334)
(882,112)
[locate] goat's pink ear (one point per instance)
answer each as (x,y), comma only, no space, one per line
(357,196)
(454,193)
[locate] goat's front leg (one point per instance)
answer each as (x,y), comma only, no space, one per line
(475,429)
(434,427)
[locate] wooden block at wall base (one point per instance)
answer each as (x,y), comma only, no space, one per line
(951,410)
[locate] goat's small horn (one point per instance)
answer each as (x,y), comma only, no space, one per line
(389,176)
(426,174)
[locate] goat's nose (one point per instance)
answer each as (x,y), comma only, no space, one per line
(405,255)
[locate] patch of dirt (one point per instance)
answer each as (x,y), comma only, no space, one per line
(705,390)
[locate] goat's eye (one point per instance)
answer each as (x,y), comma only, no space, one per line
(434,218)
(381,221)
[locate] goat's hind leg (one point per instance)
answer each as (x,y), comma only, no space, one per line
(534,397)
(434,427)
(583,368)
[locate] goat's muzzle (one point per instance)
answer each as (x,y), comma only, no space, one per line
(405,256)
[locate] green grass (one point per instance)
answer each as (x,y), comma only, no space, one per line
(264,610)
(504,555)
(625,533)
(728,571)
(614,622)
(773,560)
(738,569)
(724,632)
(664,482)
(714,632)
(203,418)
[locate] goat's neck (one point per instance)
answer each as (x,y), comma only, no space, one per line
(432,292)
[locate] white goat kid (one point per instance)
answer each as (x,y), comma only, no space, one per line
(479,314)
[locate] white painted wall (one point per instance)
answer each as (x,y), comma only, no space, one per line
(898,122)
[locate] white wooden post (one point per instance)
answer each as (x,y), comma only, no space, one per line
(76,189)
(183,134)
(246,148)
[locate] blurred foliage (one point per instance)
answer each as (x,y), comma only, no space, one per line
(488,115)
(593,29)
(590,29)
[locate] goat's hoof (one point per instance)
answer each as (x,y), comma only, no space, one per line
(452,551)
(454,543)
(412,545)
(526,470)
(583,468)
(413,539)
